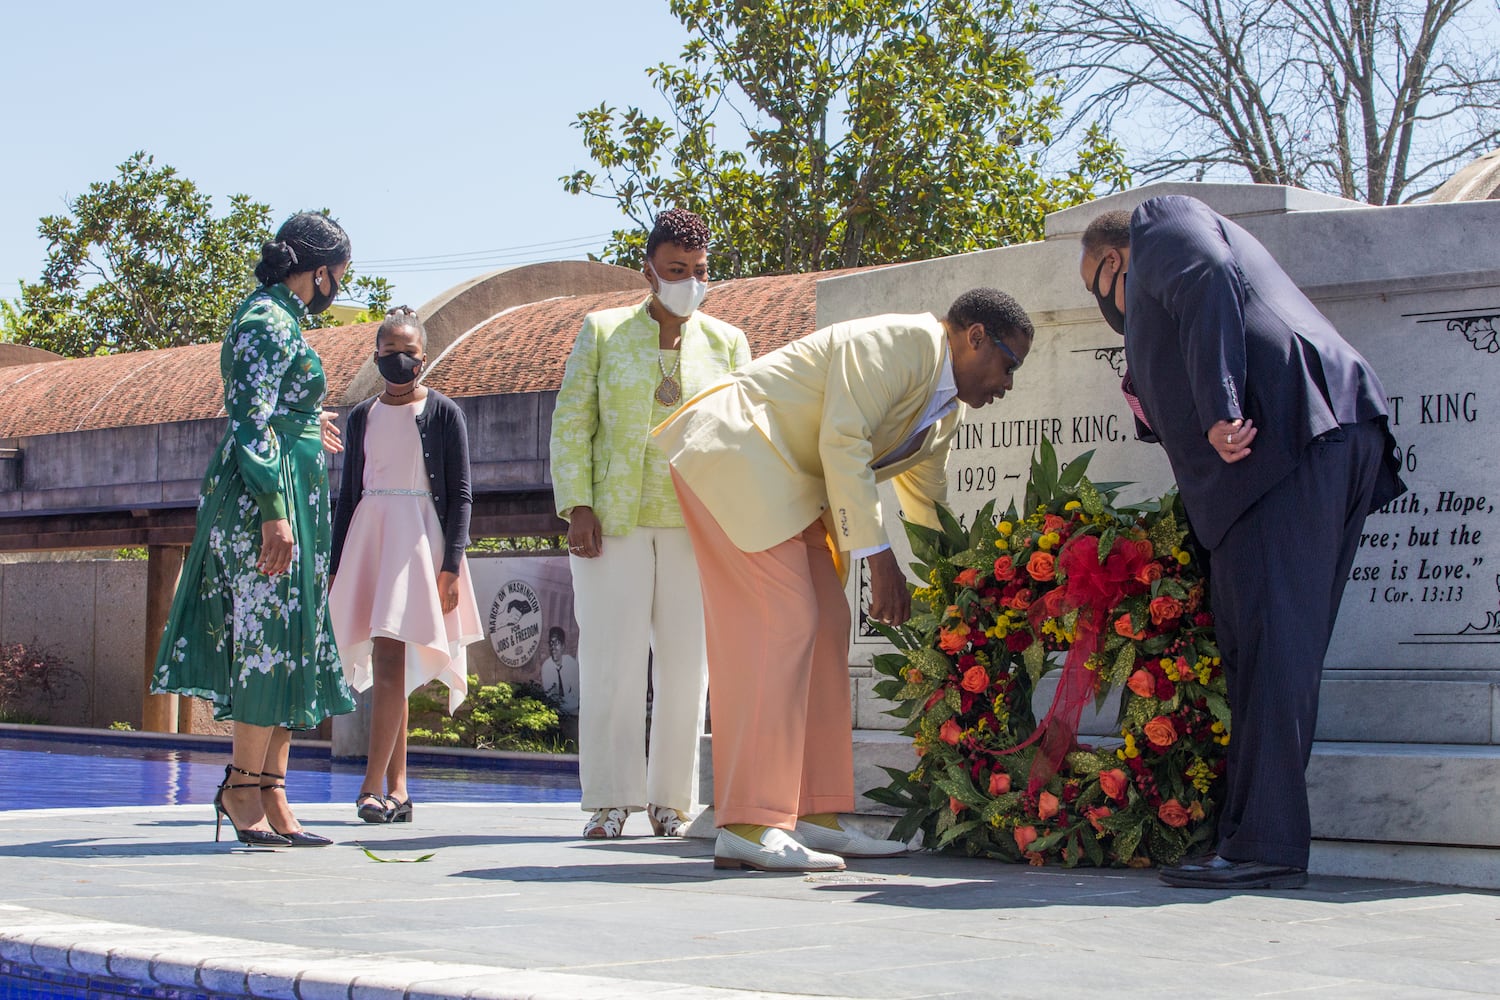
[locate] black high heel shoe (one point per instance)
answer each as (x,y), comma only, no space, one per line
(298,838)
(400,811)
(253,838)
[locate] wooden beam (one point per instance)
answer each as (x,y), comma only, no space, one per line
(163,566)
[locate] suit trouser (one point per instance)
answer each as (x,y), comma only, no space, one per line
(1277,579)
(639,597)
(778,666)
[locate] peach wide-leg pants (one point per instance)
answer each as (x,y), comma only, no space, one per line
(777,624)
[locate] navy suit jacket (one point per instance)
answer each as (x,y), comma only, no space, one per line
(1215,330)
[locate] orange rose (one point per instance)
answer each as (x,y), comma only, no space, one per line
(1042,566)
(1021,601)
(1122,627)
(1055,602)
(1172,813)
(1165,609)
(1142,683)
(999,783)
(1114,783)
(1052,523)
(954,639)
(967,578)
(1025,836)
(1145,548)
(976,679)
(949,733)
(956,805)
(1160,732)
(1005,568)
(1047,805)
(1148,573)
(1095,813)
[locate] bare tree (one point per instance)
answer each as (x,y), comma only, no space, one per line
(1375,100)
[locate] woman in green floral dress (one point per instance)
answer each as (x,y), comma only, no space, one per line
(249,628)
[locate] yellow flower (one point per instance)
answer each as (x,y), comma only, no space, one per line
(1182,557)
(1217,727)
(1005,528)
(1072,505)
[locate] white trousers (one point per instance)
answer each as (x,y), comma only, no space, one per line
(640,596)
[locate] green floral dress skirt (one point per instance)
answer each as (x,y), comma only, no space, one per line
(261,648)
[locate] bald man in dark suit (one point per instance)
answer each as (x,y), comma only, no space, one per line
(1277,433)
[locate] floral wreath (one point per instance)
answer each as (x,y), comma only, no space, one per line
(1111,598)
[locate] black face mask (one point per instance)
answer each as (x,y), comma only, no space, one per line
(397,369)
(320,300)
(1113,314)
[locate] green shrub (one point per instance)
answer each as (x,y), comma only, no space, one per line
(493,717)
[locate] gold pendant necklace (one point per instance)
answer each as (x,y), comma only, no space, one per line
(668,391)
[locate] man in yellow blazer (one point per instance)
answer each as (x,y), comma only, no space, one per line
(776,469)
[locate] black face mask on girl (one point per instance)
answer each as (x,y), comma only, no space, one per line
(1113,314)
(397,369)
(322,300)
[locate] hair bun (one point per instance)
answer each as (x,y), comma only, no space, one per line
(277,258)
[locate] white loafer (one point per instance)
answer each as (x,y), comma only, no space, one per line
(776,852)
(848,843)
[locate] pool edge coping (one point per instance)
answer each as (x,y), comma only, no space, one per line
(180,960)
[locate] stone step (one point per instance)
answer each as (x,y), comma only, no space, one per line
(1422,812)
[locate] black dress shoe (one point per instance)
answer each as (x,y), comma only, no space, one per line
(1221,873)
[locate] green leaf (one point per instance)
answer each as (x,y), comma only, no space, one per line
(386,861)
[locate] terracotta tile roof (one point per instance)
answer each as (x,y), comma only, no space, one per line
(146,387)
(522,350)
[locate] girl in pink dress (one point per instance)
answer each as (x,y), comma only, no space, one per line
(402,604)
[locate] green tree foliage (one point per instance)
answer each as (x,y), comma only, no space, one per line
(878,131)
(141,261)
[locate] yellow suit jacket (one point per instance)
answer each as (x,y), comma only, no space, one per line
(797,434)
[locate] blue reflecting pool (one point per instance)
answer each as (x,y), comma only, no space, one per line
(51,771)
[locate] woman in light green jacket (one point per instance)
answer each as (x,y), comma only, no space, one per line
(635,581)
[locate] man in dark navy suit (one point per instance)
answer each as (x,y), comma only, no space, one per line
(1276,430)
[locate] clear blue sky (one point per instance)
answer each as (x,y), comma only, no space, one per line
(428,128)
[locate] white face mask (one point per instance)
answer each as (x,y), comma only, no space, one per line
(680,298)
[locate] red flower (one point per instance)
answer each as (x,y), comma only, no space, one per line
(1165,609)
(1042,566)
(955,805)
(1095,813)
(975,680)
(1148,573)
(1165,689)
(1114,783)
(1018,642)
(1025,836)
(1142,683)
(949,732)
(1055,602)
(1172,813)
(1160,732)
(1021,600)
(999,783)
(1005,569)
(1052,523)
(1047,805)
(1203,619)
(967,578)
(1122,627)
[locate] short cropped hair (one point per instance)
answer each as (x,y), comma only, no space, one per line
(1110,231)
(401,318)
(556,632)
(678,225)
(997,312)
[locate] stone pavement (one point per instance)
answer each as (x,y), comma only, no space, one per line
(513,904)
